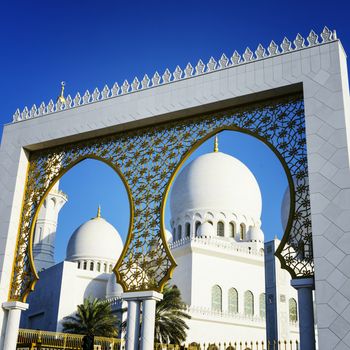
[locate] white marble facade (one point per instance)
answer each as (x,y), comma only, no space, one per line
(317,68)
(217,243)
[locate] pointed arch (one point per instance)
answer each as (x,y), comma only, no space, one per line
(232,301)
(293,310)
(248,303)
(216,298)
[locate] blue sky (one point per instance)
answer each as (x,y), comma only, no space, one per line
(93,43)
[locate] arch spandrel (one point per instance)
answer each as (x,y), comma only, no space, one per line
(148,160)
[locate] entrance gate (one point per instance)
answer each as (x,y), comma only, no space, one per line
(146,136)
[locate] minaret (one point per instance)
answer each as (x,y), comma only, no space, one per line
(45,228)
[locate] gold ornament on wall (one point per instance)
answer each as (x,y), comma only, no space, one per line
(147,161)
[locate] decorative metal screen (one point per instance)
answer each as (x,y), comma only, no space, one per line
(233,301)
(262,305)
(147,160)
(216,298)
(248,303)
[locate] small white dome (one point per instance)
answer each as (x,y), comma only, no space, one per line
(168,237)
(113,289)
(216,181)
(206,230)
(255,234)
(96,239)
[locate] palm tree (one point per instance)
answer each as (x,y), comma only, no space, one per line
(93,317)
(170,324)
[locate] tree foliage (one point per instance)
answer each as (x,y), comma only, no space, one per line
(170,323)
(93,317)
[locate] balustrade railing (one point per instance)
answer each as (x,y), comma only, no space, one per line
(237,345)
(29,339)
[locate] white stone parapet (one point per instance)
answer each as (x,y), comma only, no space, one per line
(197,311)
(219,242)
(234,317)
(179,74)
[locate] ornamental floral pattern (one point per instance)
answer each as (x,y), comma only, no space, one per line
(147,161)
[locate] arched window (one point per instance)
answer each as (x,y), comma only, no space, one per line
(197,227)
(232,229)
(98,267)
(216,298)
(262,305)
(78,264)
(242,231)
(232,301)
(188,229)
(179,231)
(221,229)
(110,268)
(104,267)
(174,233)
(248,303)
(91,266)
(85,265)
(293,312)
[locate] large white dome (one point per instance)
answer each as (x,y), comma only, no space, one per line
(96,239)
(216,181)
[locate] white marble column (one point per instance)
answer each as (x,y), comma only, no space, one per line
(134,299)
(12,325)
(305,286)
(133,325)
(148,320)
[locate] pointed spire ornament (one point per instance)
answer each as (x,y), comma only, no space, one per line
(61,97)
(216,144)
(98,212)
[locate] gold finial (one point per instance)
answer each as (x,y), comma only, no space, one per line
(98,212)
(216,144)
(61,97)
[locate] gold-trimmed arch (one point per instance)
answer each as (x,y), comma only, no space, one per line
(52,184)
(276,153)
(148,160)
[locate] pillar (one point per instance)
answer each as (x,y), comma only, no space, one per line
(305,286)
(133,325)
(14,315)
(134,299)
(148,319)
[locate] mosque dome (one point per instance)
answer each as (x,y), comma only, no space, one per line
(113,289)
(216,181)
(206,230)
(96,239)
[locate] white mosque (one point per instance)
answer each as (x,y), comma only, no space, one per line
(229,278)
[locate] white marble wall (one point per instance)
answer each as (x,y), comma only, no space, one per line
(321,72)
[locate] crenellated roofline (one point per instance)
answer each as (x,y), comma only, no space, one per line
(179,74)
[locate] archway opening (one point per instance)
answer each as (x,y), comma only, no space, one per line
(230,194)
(78,237)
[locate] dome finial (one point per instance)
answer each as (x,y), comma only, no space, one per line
(61,97)
(98,212)
(216,144)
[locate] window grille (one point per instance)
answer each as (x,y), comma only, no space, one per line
(216,298)
(233,301)
(248,303)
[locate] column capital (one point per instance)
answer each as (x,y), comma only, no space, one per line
(140,296)
(307,282)
(15,305)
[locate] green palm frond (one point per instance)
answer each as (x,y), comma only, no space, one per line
(170,323)
(93,317)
